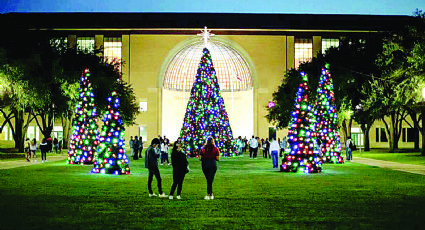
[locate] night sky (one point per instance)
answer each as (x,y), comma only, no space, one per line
(375,7)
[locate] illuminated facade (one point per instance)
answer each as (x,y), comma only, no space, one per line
(251,53)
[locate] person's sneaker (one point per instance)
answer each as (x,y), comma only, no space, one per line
(170,197)
(207,197)
(169,164)
(151,195)
(179,197)
(35,160)
(42,161)
(45,160)
(162,195)
(212,197)
(162,164)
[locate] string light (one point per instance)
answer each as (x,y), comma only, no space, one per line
(206,114)
(303,154)
(84,129)
(329,138)
(110,157)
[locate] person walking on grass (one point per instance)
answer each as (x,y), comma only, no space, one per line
(27,149)
(274,151)
(209,156)
(253,147)
(33,148)
(180,168)
(44,148)
(348,146)
(56,145)
(151,162)
(131,143)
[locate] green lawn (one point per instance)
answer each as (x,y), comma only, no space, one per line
(249,195)
(405,157)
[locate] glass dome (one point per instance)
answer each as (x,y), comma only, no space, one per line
(232,70)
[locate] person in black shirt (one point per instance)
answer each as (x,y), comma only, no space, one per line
(179,162)
(151,162)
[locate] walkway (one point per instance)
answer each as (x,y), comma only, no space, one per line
(22,163)
(410,168)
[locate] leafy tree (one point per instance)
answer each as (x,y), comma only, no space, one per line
(396,87)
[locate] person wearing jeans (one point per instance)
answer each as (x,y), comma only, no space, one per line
(209,156)
(348,149)
(152,164)
(274,151)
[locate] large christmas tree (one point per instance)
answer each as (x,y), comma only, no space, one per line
(329,138)
(206,115)
(303,154)
(110,156)
(84,139)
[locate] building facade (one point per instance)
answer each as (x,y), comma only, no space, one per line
(251,53)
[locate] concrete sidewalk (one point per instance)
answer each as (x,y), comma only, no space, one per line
(410,168)
(23,162)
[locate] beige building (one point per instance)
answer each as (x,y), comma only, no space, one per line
(251,53)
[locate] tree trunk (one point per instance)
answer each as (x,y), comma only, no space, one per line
(344,130)
(19,135)
(423,130)
(365,130)
(66,127)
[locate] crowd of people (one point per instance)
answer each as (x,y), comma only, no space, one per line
(46,145)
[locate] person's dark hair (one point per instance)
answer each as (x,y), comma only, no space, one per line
(175,147)
(44,140)
(155,141)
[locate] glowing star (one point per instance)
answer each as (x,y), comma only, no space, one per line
(206,35)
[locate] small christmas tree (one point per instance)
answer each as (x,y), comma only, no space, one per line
(206,115)
(302,155)
(84,139)
(110,156)
(327,117)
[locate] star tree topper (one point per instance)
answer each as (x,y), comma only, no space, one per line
(206,35)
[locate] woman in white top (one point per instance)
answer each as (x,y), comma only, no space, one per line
(33,149)
(164,153)
(274,151)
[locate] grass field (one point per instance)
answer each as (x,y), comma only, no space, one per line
(249,195)
(403,157)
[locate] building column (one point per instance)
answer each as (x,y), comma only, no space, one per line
(317,45)
(72,41)
(290,52)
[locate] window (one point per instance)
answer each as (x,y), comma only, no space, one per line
(357,136)
(409,134)
(381,135)
(303,51)
(85,44)
(143,105)
(328,43)
(112,49)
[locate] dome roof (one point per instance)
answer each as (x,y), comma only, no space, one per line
(232,70)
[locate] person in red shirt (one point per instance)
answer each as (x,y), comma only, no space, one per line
(209,156)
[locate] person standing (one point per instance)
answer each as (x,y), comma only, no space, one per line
(140,143)
(209,155)
(164,152)
(27,149)
(180,168)
(151,162)
(274,151)
(282,146)
(131,144)
(49,144)
(44,148)
(56,145)
(266,148)
(348,146)
(253,144)
(33,147)
(136,148)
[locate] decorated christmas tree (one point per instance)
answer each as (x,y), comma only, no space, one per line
(206,115)
(110,156)
(303,154)
(330,146)
(84,138)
